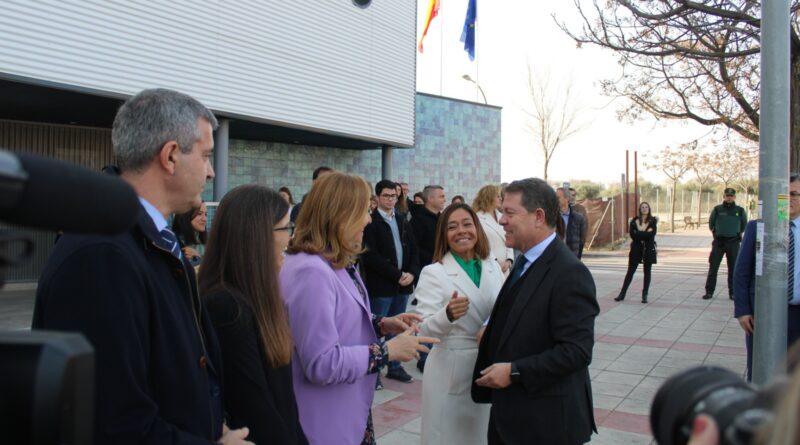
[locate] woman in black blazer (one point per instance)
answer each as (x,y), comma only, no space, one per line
(643,230)
(239,286)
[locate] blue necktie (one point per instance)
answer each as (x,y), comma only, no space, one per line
(790,264)
(518,268)
(171,242)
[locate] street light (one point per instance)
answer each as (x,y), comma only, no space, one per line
(469,79)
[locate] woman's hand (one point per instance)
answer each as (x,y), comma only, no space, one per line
(190,252)
(407,346)
(400,323)
(457,307)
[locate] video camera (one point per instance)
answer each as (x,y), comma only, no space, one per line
(47,378)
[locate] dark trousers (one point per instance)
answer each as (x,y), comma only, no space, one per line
(792,335)
(632,266)
(729,247)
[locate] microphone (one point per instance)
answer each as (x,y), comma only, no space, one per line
(45,193)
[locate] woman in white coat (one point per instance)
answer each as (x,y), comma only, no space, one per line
(455,295)
(487,206)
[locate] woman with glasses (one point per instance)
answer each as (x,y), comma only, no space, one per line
(642,230)
(337,352)
(238,282)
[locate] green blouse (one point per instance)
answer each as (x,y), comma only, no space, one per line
(472,268)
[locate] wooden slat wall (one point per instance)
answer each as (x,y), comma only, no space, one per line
(89,147)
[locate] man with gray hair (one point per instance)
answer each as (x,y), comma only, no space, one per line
(134,295)
(533,359)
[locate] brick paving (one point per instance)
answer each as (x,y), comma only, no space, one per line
(637,345)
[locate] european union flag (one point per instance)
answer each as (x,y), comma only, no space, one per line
(468,34)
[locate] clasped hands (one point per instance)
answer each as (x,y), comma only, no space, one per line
(406,345)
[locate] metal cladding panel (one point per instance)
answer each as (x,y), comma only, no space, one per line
(324,65)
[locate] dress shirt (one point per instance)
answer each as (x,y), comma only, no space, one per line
(155,215)
(536,251)
(390,219)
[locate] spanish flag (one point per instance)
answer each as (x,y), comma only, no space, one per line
(433,11)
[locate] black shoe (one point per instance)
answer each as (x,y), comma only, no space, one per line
(421,366)
(707,296)
(414,302)
(730,296)
(644,298)
(620,297)
(400,375)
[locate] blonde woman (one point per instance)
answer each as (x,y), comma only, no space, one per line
(337,352)
(487,206)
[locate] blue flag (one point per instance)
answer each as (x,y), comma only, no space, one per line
(468,34)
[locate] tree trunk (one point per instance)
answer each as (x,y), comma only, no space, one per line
(546,161)
(699,204)
(672,207)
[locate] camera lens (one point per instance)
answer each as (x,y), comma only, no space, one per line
(715,391)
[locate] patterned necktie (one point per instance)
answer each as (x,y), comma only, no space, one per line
(790,264)
(171,242)
(518,268)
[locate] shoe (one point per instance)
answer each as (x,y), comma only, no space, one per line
(620,297)
(730,296)
(400,375)
(707,296)
(644,298)
(421,366)
(414,302)
(378,384)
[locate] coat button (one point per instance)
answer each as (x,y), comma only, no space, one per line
(202,363)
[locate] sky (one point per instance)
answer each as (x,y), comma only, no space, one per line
(509,34)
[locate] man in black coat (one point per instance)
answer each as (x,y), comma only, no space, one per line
(533,359)
(134,295)
(390,263)
(424,222)
(574,224)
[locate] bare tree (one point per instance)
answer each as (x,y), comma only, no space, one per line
(703,167)
(689,59)
(553,113)
(732,162)
(674,162)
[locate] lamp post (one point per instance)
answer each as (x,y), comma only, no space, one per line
(469,79)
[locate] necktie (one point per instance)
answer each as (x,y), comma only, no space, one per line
(518,268)
(171,242)
(790,264)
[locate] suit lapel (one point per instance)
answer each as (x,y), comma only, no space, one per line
(525,288)
(347,282)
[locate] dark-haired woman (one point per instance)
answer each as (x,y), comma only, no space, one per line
(190,229)
(643,230)
(240,289)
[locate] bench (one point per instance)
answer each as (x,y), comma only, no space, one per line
(688,222)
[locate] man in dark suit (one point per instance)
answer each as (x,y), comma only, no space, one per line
(533,359)
(744,278)
(390,262)
(574,224)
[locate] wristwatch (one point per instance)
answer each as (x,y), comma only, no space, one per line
(515,375)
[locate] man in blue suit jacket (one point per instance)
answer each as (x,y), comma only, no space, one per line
(744,279)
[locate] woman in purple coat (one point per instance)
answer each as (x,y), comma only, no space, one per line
(337,351)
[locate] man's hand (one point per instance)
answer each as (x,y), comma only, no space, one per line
(405,279)
(400,323)
(704,431)
(497,376)
(190,252)
(746,322)
(457,307)
(234,437)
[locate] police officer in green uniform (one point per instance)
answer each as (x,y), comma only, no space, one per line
(727,222)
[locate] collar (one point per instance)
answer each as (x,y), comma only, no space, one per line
(796,222)
(536,251)
(158,219)
(386,215)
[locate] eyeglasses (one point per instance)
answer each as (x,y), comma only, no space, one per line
(730,196)
(289,228)
(387,196)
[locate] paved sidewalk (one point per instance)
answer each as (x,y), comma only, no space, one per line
(638,346)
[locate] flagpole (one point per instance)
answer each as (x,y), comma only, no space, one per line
(477,54)
(441,47)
